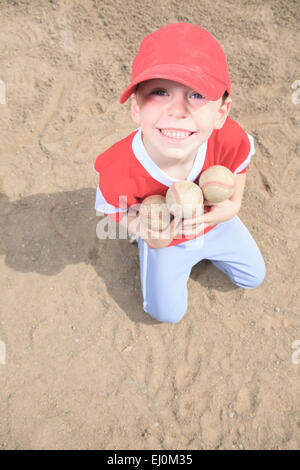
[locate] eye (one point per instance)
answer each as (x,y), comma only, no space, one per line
(159,92)
(198,96)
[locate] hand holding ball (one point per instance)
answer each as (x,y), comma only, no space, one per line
(184,198)
(154,213)
(217,183)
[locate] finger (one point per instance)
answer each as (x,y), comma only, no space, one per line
(196,230)
(195,221)
(209,222)
(155,234)
(190,223)
(188,226)
(177,224)
(176,221)
(209,204)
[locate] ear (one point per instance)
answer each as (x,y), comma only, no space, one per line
(223,113)
(135,110)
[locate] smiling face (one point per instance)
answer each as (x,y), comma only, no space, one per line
(175,120)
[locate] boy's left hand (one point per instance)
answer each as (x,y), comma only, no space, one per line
(218,212)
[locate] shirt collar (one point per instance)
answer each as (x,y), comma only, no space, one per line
(143,157)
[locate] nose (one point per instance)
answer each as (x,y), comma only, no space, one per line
(178,106)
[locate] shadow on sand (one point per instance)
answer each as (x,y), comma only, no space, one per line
(44,233)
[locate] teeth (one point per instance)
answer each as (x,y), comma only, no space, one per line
(175,134)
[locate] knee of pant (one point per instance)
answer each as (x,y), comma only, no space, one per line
(171,318)
(260,276)
(256,279)
(167,316)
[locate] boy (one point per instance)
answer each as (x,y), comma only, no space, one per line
(180,99)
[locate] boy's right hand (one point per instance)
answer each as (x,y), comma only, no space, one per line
(162,238)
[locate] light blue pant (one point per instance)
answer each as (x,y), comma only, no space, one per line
(164,272)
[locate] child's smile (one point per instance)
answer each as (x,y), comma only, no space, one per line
(175,135)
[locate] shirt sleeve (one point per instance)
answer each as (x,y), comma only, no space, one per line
(115,192)
(234,147)
(247,153)
(103,206)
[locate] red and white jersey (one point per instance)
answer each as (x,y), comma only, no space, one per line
(127,175)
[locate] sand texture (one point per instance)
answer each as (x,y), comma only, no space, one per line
(84,366)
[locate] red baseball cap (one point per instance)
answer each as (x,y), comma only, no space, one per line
(183,53)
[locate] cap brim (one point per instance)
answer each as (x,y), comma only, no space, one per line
(195,78)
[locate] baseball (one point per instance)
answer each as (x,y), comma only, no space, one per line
(183,197)
(217,183)
(154,213)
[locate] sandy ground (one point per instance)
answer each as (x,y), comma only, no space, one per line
(84,367)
